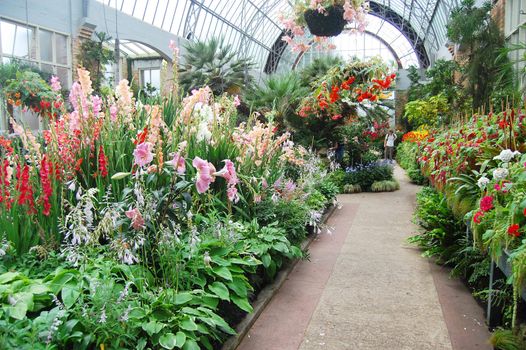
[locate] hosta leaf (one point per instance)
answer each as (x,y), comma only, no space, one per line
(220,290)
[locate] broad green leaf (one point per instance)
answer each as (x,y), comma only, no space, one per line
(220,290)
(191,344)
(242,303)
(266,259)
(8,277)
(188,324)
(119,176)
(183,298)
(168,341)
(153,327)
(238,286)
(223,272)
(70,293)
(180,339)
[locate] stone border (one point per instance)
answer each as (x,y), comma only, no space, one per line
(265,296)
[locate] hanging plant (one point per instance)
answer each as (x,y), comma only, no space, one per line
(323,18)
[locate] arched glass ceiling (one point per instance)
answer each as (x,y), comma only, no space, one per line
(252,26)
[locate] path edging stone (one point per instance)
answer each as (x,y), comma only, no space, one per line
(265,296)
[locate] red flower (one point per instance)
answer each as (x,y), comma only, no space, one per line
(23,186)
(103,162)
(486,203)
(141,136)
(513,230)
(334,95)
(323,104)
(6,144)
(45,180)
(336,117)
(4,185)
(478,216)
(524,212)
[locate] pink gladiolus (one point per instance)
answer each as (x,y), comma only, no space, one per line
(205,177)
(232,194)
(113,113)
(136,218)
(228,173)
(55,83)
(237,102)
(143,154)
(179,164)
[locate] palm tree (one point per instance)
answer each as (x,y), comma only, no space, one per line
(215,64)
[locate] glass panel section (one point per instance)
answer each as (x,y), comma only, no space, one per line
(8,37)
(61,49)
(23,37)
(47,68)
(155,78)
(46,46)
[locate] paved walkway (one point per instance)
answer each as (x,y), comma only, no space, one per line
(366,288)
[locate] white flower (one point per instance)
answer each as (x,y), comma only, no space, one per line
(482,182)
(207,259)
(500,174)
(506,155)
(103,315)
(203,133)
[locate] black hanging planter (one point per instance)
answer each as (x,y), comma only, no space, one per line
(329,23)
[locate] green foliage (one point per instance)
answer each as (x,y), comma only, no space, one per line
(506,339)
(292,216)
(479,36)
(337,178)
(441,227)
(432,111)
(365,176)
(385,186)
(407,158)
(318,68)
(215,64)
(94,56)
(350,188)
(280,94)
(329,188)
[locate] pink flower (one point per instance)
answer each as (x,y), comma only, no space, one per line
(228,172)
(97,104)
(205,171)
(257,199)
(486,203)
(237,102)
(179,164)
(113,112)
(136,218)
(143,154)
(232,194)
(55,83)
(173,46)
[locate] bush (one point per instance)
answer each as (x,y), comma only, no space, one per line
(366,175)
(442,229)
(337,177)
(328,189)
(292,216)
(407,158)
(352,188)
(385,186)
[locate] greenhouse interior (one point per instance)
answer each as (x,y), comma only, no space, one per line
(263,174)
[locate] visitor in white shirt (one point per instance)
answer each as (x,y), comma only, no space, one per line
(389,144)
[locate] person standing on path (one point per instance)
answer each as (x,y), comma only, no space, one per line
(389,144)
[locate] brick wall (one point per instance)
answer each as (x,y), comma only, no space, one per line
(498,13)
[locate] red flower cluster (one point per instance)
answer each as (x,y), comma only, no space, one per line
(367,95)
(486,203)
(45,180)
(103,162)
(334,95)
(346,85)
(4,184)
(141,136)
(6,145)
(23,186)
(513,230)
(386,83)
(478,216)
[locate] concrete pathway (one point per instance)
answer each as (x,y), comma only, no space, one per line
(366,288)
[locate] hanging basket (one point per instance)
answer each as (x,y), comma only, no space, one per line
(329,23)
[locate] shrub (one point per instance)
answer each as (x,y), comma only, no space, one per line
(337,177)
(366,175)
(352,188)
(407,158)
(292,216)
(385,186)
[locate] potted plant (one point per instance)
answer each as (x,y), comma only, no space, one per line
(323,18)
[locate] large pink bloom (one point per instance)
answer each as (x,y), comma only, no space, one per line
(232,195)
(205,171)
(143,154)
(179,163)
(136,218)
(228,172)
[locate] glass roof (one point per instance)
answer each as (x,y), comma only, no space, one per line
(252,26)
